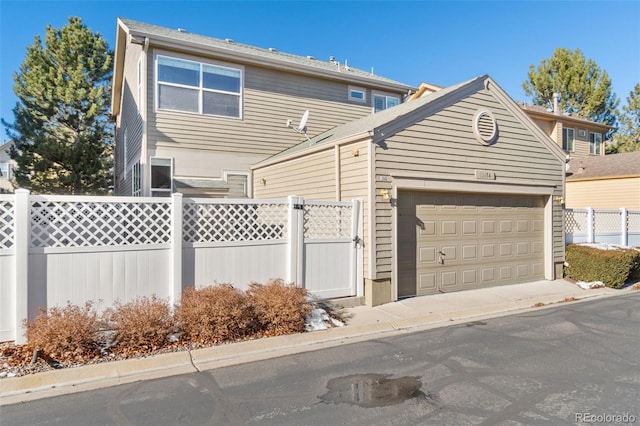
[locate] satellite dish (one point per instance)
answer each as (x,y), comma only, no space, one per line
(303,122)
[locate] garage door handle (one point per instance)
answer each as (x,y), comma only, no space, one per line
(441,256)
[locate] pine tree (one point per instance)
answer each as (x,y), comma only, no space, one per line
(585,90)
(63,139)
(628,137)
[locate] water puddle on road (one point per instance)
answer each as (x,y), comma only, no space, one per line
(372,390)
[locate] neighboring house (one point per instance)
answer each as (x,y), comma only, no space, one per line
(6,168)
(577,137)
(606,183)
(193,113)
(460,190)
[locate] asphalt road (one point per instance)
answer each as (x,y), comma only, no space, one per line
(577,363)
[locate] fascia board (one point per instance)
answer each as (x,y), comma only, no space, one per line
(198,49)
(118,68)
(404,121)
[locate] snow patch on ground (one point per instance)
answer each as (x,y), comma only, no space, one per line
(593,284)
(319,319)
(604,246)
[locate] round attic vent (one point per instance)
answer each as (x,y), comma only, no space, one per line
(485,127)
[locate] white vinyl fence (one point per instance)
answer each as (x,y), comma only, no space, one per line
(59,249)
(602,226)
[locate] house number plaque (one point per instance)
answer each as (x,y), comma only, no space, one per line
(485,175)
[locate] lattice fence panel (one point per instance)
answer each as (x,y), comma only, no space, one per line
(575,221)
(327,221)
(607,221)
(633,222)
(91,224)
(213,222)
(7,225)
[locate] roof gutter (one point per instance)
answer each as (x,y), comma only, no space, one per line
(315,148)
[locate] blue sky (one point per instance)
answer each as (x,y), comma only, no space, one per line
(440,42)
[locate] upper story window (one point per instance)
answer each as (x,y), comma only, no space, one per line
(595,143)
(357,94)
(568,139)
(198,87)
(381,102)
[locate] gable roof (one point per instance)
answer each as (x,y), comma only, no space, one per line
(604,166)
(182,40)
(370,126)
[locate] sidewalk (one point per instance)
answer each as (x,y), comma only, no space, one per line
(364,323)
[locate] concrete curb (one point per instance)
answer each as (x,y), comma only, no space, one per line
(80,379)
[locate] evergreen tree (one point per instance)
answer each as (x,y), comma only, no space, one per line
(628,137)
(62,134)
(584,89)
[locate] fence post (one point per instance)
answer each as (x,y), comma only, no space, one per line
(590,225)
(176,248)
(22,239)
(356,253)
(296,240)
(624,235)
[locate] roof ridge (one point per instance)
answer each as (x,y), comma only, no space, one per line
(257,52)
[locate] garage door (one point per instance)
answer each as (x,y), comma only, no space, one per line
(453,241)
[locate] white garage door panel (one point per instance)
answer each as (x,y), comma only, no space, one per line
(462,241)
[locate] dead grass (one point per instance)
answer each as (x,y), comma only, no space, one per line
(539,305)
(569,299)
(635,286)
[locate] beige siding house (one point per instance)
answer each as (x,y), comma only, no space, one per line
(193,113)
(577,137)
(460,190)
(605,183)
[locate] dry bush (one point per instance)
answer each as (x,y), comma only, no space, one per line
(141,326)
(65,334)
(215,314)
(280,308)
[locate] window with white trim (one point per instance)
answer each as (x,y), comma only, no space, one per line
(198,87)
(6,170)
(595,143)
(357,94)
(161,177)
(382,102)
(136,179)
(568,139)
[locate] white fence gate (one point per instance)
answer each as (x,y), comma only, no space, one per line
(602,226)
(59,249)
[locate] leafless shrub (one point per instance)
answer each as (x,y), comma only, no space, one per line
(65,334)
(215,314)
(280,308)
(141,326)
